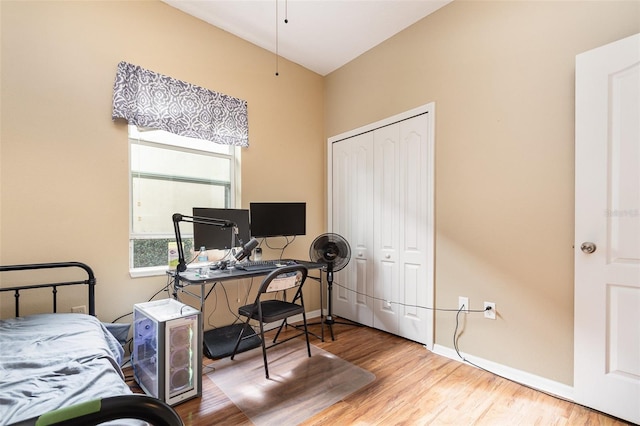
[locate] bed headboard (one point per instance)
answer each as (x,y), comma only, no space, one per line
(90,282)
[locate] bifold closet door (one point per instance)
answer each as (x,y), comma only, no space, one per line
(416,244)
(352,217)
(401,223)
(381,201)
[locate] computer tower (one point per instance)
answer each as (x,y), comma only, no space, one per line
(167,350)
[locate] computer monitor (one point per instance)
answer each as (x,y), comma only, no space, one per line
(277,219)
(215,237)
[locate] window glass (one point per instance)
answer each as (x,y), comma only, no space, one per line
(172,174)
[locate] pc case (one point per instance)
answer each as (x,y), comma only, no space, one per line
(167,354)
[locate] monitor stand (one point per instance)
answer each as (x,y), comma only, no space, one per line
(219,342)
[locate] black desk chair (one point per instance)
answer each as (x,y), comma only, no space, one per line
(266,309)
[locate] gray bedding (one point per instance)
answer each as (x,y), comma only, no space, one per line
(54,360)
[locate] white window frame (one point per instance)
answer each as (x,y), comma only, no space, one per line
(159,137)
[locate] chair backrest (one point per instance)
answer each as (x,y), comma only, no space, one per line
(284,278)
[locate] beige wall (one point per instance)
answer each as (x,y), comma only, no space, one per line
(501,74)
(64,170)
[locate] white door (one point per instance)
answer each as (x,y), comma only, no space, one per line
(387,226)
(607,230)
(403,239)
(352,218)
(416,232)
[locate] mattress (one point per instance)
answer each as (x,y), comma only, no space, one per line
(51,361)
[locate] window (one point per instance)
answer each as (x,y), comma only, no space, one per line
(172,174)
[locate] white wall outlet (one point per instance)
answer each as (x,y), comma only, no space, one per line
(82,309)
(463,303)
(490,313)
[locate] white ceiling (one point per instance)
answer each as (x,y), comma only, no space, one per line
(321,35)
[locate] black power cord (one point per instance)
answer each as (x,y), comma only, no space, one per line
(457,349)
(282,249)
(455,339)
(488,308)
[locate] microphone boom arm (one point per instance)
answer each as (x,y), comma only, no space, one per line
(177,218)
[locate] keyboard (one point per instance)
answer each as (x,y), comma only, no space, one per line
(263,265)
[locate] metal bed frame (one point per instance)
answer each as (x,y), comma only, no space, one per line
(90,281)
(93,412)
(98,411)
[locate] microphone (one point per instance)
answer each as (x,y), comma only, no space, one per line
(246,249)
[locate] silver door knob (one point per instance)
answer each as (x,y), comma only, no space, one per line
(588,247)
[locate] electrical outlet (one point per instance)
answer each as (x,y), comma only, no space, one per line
(463,303)
(82,309)
(490,313)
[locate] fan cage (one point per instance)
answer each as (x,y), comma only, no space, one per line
(332,250)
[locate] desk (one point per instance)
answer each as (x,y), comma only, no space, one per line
(217,341)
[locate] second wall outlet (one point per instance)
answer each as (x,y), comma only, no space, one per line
(490,313)
(463,303)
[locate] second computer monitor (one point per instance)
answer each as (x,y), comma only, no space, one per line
(277,219)
(215,237)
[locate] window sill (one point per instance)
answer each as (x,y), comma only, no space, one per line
(155,271)
(152,271)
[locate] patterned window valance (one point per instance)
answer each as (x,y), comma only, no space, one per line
(148,99)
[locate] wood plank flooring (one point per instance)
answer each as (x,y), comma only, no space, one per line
(412,387)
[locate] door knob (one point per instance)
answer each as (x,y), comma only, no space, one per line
(588,247)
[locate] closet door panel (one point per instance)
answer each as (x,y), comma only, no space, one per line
(362,223)
(353,219)
(415,322)
(341,209)
(386,228)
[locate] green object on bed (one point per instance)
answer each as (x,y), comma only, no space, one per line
(68,413)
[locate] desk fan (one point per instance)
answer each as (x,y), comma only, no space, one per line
(334,252)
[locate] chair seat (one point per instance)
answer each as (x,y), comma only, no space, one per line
(272,310)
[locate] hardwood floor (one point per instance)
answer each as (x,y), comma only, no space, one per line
(412,387)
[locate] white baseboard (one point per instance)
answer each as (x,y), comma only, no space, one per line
(552,387)
(312,314)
